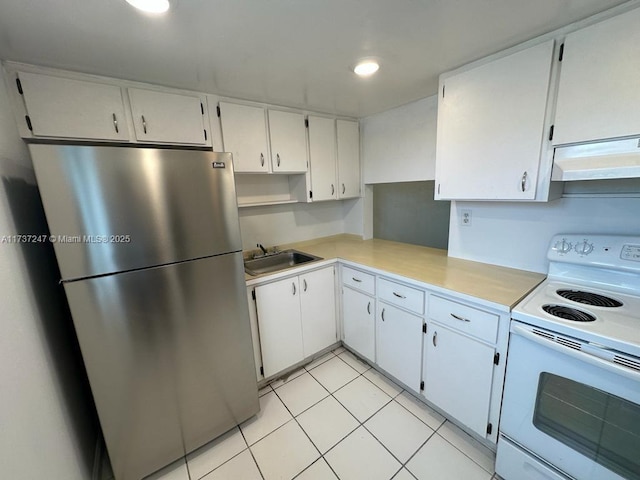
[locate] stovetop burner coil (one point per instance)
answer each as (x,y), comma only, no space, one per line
(588,298)
(568,313)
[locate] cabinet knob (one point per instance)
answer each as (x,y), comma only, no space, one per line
(523,182)
(144,124)
(115,123)
(262,159)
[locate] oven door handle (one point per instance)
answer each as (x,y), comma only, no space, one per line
(577,354)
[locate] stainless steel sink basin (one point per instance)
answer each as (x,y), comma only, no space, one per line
(277,261)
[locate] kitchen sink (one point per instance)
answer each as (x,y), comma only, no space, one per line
(273,262)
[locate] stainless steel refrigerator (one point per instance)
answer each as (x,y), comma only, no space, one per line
(148,244)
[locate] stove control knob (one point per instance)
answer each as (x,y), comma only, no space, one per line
(562,246)
(584,248)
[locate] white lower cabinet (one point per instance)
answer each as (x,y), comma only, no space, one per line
(462,368)
(318,309)
(279,319)
(296,318)
(399,344)
(358,322)
(458,376)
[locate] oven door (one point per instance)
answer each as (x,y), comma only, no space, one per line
(572,408)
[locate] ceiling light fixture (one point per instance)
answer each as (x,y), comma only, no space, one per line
(150,6)
(366,68)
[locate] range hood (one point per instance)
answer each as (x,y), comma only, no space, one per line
(597,161)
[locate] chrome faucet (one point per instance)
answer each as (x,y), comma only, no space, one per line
(264,250)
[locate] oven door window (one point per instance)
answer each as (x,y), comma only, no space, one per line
(601,426)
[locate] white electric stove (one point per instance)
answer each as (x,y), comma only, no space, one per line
(571,406)
(592,291)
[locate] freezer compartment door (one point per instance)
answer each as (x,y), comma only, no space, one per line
(112,209)
(169,356)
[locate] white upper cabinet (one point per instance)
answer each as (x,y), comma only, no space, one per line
(264,141)
(288,136)
(334,154)
(160,117)
(322,156)
(244,132)
(348,134)
(65,108)
(492,129)
(599,94)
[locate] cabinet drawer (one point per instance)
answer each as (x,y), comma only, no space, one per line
(360,280)
(470,320)
(401,295)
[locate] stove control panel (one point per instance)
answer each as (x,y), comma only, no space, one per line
(631,252)
(605,251)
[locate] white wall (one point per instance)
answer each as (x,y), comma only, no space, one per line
(46,429)
(399,145)
(517,234)
(279,224)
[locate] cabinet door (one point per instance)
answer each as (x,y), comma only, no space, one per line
(318,308)
(598,93)
(161,117)
(358,313)
(322,156)
(399,344)
(458,372)
(278,307)
(348,134)
(59,107)
(288,142)
(244,134)
(491,123)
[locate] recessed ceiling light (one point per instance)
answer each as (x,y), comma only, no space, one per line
(366,68)
(150,6)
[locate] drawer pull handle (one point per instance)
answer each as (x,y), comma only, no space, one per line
(462,319)
(144,124)
(304,282)
(332,190)
(278,158)
(294,288)
(382,315)
(369,308)
(356,279)
(115,123)
(262,159)
(398,295)
(434,339)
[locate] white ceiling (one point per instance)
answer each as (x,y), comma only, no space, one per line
(287,52)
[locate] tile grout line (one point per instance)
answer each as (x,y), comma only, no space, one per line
(462,451)
(360,423)
(306,434)
(251,453)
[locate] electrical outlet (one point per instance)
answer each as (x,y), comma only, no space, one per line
(465,217)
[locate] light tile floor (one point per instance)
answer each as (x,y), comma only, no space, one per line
(338,418)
